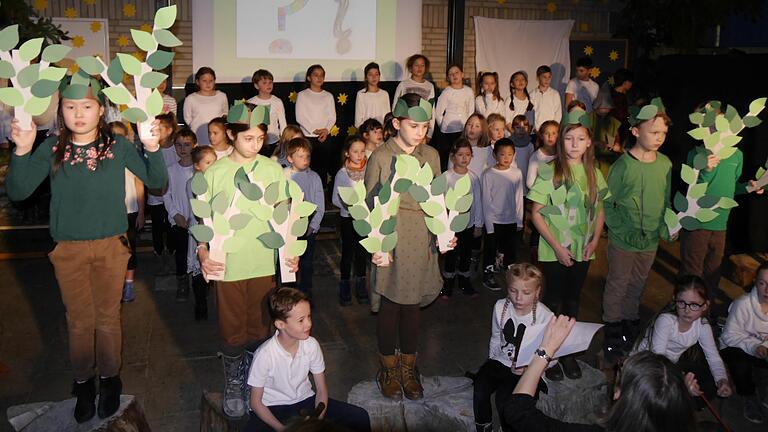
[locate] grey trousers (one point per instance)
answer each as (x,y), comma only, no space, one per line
(627,273)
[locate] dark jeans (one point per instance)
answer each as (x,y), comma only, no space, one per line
(161,239)
(701,254)
(351,251)
(131,235)
(741,364)
(504,239)
(307,265)
(462,252)
(397,321)
(693,361)
(179,239)
(563,289)
(350,416)
(492,377)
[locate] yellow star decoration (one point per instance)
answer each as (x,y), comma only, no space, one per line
(70,12)
(551,7)
(595,72)
(351,131)
(90,2)
(41,4)
(122,41)
(588,50)
(139,55)
(611,81)
(334,130)
(146,27)
(78,41)
(73,68)
(341,98)
(95,27)
(501,2)
(292,96)
(129,10)
(614,55)
(584,27)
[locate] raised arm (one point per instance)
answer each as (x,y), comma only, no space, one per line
(28,169)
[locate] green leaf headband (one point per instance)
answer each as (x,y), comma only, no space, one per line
(639,115)
(76,87)
(240,113)
(578,116)
(420,113)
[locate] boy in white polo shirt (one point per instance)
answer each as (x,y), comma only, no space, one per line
(279,375)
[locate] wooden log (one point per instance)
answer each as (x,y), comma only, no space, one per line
(744,269)
(58,416)
(212,418)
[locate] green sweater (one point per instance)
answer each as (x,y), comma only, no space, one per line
(634,211)
(86,204)
(723,182)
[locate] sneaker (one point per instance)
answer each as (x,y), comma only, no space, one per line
(752,410)
(128,294)
(489,279)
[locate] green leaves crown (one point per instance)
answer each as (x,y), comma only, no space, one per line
(419,113)
(638,115)
(578,116)
(241,113)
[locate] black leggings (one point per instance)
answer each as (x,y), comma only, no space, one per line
(161,229)
(741,365)
(563,290)
(461,253)
(504,240)
(131,235)
(397,320)
(351,251)
(179,240)
(495,377)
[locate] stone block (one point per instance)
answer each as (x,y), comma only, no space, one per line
(576,401)
(58,416)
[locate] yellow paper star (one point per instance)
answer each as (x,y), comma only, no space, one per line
(614,55)
(551,7)
(95,27)
(122,41)
(351,131)
(611,81)
(342,98)
(588,50)
(139,55)
(78,41)
(334,130)
(501,2)
(129,10)
(41,4)
(595,72)
(70,12)
(73,68)
(292,96)
(90,2)
(584,27)
(146,27)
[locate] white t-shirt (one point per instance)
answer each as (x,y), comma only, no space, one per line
(454,106)
(285,377)
(537,158)
(276,116)
(199,110)
(482,158)
(547,105)
(585,91)
(520,108)
(315,110)
(371,105)
(487,105)
(224,153)
(747,325)
(502,197)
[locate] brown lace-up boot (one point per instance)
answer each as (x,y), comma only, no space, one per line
(410,377)
(388,377)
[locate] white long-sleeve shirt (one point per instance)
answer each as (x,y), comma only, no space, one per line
(585,91)
(276,116)
(476,211)
(487,105)
(170,157)
(315,110)
(537,158)
(454,106)
(520,108)
(499,348)
(482,158)
(424,89)
(175,198)
(669,342)
(199,110)
(747,325)
(502,197)
(547,105)
(371,105)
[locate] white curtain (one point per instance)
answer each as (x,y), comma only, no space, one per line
(507,46)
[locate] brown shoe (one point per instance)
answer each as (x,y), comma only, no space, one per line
(409,374)
(388,377)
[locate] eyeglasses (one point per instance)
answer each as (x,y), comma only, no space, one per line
(694,307)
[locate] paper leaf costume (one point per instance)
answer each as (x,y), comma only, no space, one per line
(33,83)
(446,209)
(761,178)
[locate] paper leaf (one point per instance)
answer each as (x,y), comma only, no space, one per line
(560,222)
(348,195)
(730,112)
(705,215)
(201,233)
(722,124)
(432,208)
(546,171)
(450,199)
(296,248)
(727,203)
(36,106)
(305,208)
(389,242)
(53,73)
(154,104)
(463,186)
(385,193)
(280,214)
(558,195)
(293,190)
(711,141)
(394,205)
(736,124)
(199,185)
(159,59)
(118,95)
(360,190)
(233,244)
(220,202)
(700,161)
(134,115)
(388,226)
(145,41)
(670,218)
(6,70)
(220,225)
(550,210)
(251,191)
(54,53)
(359,211)
(376,217)
(30,49)
(757,105)
(153,79)
(90,65)
(371,244)
(424,177)
(271,240)
(240,221)
(751,121)
(696,118)
(439,185)
(115,71)
(460,222)
(418,193)
(299,227)
(760,172)
(44,88)
(130,64)
(709,118)
(708,201)
(272,193)
(261,212)
(9,37)
(200,208)
(698,190)
(688,174)
(435,226)
(11,96)
(690,223)
(731,140)
(699,133)
(165,17)
(726,152)
(402,185)
(361,227)
(166,38)
(463,204)
(29,75)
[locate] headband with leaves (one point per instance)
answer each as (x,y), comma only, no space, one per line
(638,115)
(419,113)
(578,116)
(241,113)
(78,85)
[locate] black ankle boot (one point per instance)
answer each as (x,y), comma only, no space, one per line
(361,290)
(85,408)
(345,292)
(109,395)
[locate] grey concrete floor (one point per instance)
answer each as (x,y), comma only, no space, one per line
(169,359)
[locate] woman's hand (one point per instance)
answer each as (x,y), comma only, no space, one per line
(724,388)
(293,264)
(24,139)
(564,256)
(692,385)
(209,266)
(151,142)
(556,332)
(381,259)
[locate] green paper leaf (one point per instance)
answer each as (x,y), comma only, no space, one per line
(690,223)
(726,152)
(696,118)
(52,73)
(299,227)
(115,71)
(727,203)
(550,210)
(166,38)
(130,64)
(439,185)
(251,191)
(348,195)
(558,195)
(371,244)
(118,95)
(262,212)
(460,222)
(271,240)
(385,193)
(722,124)
(450,199)
(736,124)
(388,226)
(7,70)
(44,88)
(559,221)
(435,226)
(153,79)
(9,37)
(424,178)
(757,105)
(751,121)
(705,215)
(201,233)
(30,49)
(304,208)
(402,185)
(699,133)
(220,225)
(91,65)
(688,174)
(463,204)
(731,140)
(760,172)
(293,190)
(376,217)
(708,201)
(200,208)
(233,244)
(463,186)
(393,205)
(199,185)
(361,227)
(55,52)
(134,115)
(165,17)
(389,242)
(418,193)
(698,190)
(145,41)
(272,193)
(36,106)
(358,211)
(432,208)
(730,112)
(160,59)
(700,161)
(280,214)
(154,104)
(711,141)
(670,218)
(573,197)
(360,190)
(220,203)
(546,171)
(297,248)
(709,118)
(240,221)
(29,75)
(80,78)
(11,96)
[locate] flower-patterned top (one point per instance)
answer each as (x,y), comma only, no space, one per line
(88,154)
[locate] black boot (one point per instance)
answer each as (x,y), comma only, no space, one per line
(447,290)
(613,343)
(465,284)
(361,290)
(109,395)
(345,292)
(85,392)
(182,288)
(200,288)
(570,367)
(630,330)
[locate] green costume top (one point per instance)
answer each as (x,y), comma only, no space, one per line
(88,189)
(639,192)
(723,182)
(572,227)
(254,259)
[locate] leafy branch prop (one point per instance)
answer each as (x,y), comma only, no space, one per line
(761,178)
